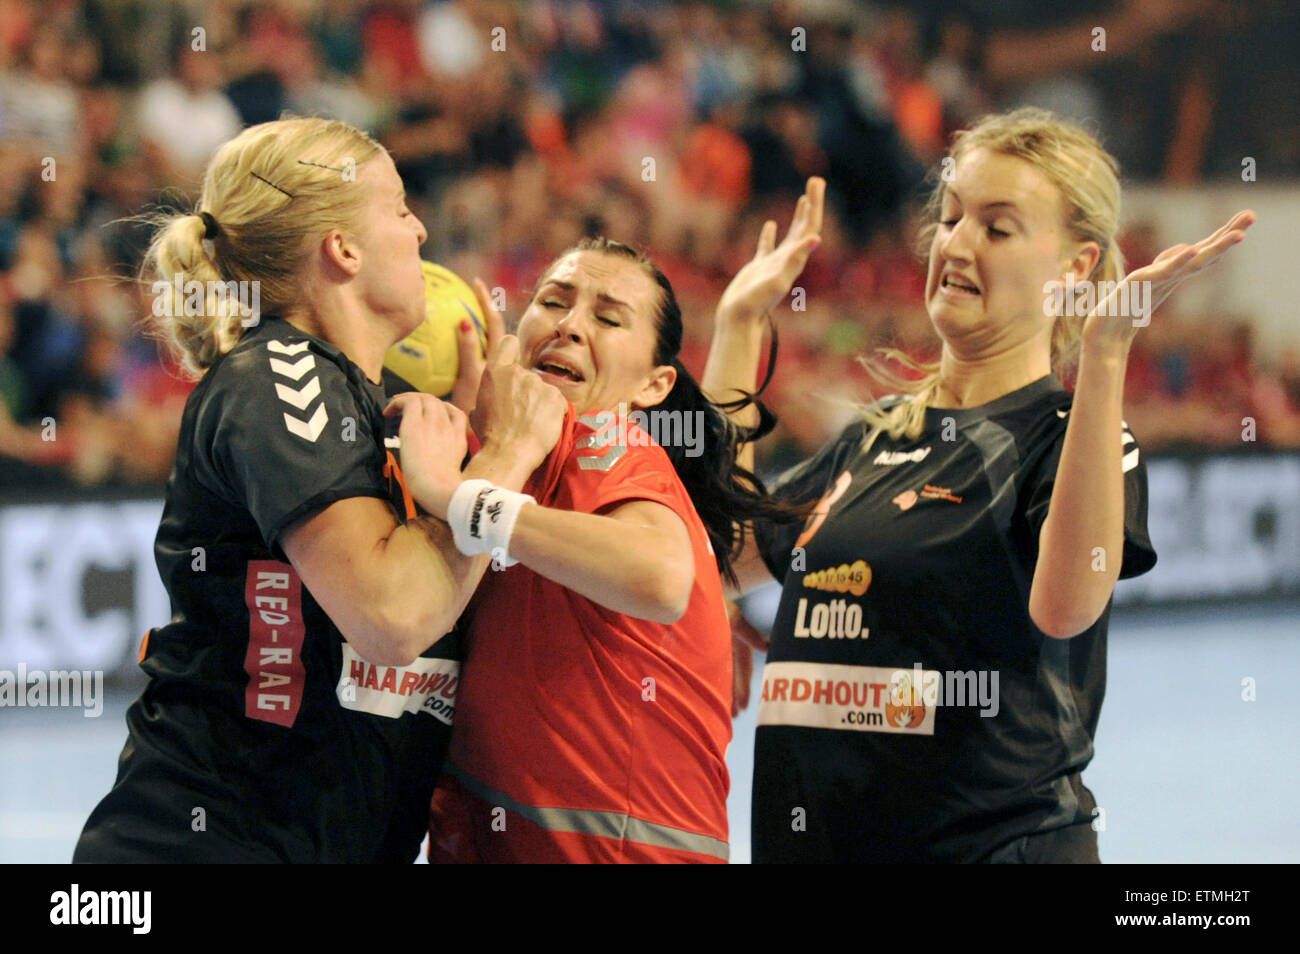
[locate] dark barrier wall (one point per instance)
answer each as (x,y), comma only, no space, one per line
(79,588)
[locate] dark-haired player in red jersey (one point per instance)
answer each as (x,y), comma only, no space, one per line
(592,734)
(594,707)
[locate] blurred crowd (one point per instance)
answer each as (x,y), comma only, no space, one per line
(519,127)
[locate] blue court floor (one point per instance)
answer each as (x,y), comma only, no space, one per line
(1186,770)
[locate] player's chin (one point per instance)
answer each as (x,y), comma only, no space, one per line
(957,316)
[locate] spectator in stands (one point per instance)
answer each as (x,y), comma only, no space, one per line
(183,118)
(511,155)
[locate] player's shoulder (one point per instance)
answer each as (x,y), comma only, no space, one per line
(1044,422)
(1053,409)
(276,349)
(1036,413)
(862,422)
(619,440)
(277,374)
(855,437)
(1061,412)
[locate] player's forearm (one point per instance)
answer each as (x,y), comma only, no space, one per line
(749,569)
(501,465)
(1082,539)
(427,584)
(428,575)
(638,570)
(731,370)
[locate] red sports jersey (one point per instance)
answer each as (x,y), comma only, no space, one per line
(583,734)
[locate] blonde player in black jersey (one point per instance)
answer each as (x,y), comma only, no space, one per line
(300,700)
(937,663)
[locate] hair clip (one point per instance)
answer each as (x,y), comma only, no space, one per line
(321,165)
(270,183)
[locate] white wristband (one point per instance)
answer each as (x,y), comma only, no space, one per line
(482,518)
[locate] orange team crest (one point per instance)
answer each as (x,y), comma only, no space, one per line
(905,708)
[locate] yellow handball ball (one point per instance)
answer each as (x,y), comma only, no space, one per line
(428,358)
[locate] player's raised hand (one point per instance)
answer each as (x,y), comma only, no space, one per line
(464,392)
(516,409)
(433,446)
(1111,325)
(768,277)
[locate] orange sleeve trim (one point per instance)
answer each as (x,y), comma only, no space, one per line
(393,471)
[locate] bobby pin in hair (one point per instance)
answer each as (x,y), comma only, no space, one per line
(320,165)
(270,183)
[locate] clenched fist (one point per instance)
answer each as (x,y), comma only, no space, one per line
(433,446)
(516,410)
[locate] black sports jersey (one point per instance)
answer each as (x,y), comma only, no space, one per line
(911,710)
(262,735)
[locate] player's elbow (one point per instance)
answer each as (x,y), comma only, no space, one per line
(1062,607)
(1057,628)
(421,633)
(1061,622)
(399,637)
(384,649)
(666,595)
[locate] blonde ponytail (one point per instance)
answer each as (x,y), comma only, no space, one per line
(178,258)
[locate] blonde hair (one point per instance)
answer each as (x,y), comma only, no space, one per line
(1086,176)
(271,192)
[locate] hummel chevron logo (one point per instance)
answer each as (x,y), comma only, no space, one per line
(1127,440)
(299,399)
(308,430)
(295,370)
(279,348)
(603,462)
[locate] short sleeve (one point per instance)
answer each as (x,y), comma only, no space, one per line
(1139,555)
(599,477)
(287,437)
(800,485)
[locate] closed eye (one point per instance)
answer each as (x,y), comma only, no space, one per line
(607,321)
(995,232)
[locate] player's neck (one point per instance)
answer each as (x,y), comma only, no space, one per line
(975,380)
(346,326)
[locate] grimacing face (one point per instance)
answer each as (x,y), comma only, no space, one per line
(391,237)
(1001,238)
(590,332)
